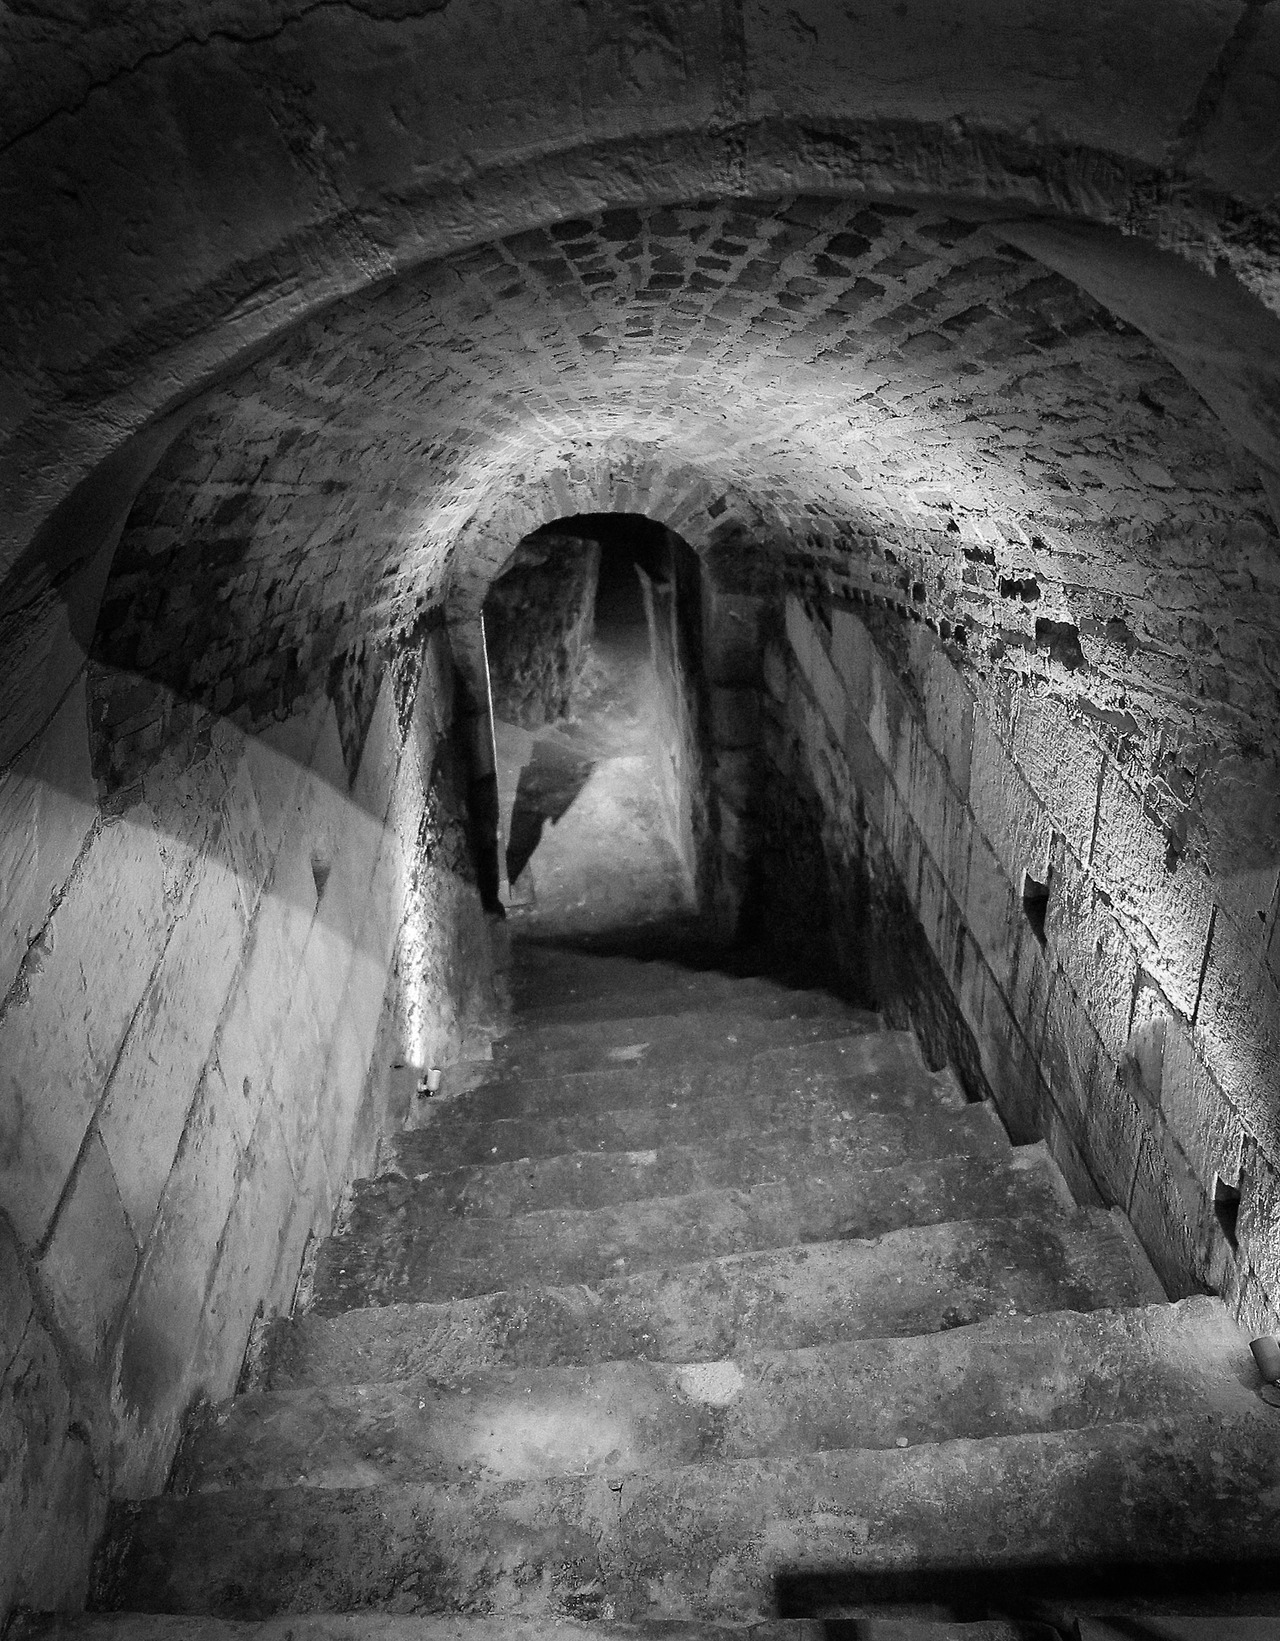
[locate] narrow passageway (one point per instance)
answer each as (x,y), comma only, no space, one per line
(590,846)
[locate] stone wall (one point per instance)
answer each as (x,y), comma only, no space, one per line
(1110,991)
(209,972)
(538,619)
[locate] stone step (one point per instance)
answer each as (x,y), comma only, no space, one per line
(736,1151)
(712,1542)
(887,1065)
(387,1256)
(378,1626)
(886,1116)
(675,1013)
(920,1280)
(1007,1376)
(708,1037)
(765,999)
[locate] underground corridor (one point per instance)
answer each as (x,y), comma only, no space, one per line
(640,822)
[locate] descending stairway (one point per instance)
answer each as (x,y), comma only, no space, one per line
(711,1307)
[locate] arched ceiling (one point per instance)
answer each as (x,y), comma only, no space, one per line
(884,399)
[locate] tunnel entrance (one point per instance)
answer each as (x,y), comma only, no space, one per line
(595,727)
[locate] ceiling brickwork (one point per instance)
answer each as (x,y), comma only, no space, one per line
(892,400)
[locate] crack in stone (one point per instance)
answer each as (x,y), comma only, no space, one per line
(392,11)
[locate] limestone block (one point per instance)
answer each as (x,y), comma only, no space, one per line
(1092,950)
(1007,811)
(948,717)
(1258,1227)
(1116,1130)
(943,821)
(1238,1029)
(992,909)
(735,717)
(248,1257)
(371,789)
(346,1075)
(1064,1147)
(277,762)
(816,668)
(296,1073)
(1165,911)
(1008,1063)
(86,1271)
(941,918)
(776,675)
(1032,981)
(853,656)
(62,1030)
(868,773)
(731,638)
(169,1043)
(1200,1117)
(1171,1215)
(152,1380)
(48,804)
(52,1498)
(243,834)
(1062,763)
(1069,1055)
(15,1295)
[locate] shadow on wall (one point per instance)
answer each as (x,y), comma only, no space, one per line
(209,979)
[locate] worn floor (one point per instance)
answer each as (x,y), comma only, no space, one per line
(713,1310)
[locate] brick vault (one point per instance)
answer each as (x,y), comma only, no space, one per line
(948,340)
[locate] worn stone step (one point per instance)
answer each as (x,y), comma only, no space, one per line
(734,1152)
(920,1280)
(709,1038)
(885,1118)
(887,1064)
(384,1257)
(376,1626)
(1006,1376)
(711,1542)
(675,1012)
(387,1626)
(765,999)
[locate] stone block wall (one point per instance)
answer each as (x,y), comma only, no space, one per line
(539,617)
(1110,993)
(214,971)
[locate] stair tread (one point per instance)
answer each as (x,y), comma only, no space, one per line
(704,1057)
(861,1141)
(922,1279)
(1008,1375)
(401,1255)
(709,1541)
(770,1088)
(762,1022)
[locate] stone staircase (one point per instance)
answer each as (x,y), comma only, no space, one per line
(711,1308)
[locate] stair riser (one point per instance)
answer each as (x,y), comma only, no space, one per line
(705,1542)
(601,1015)
(390,1259)
(591,1179)
(661,1043)
(994,1379)
(766,1019)
(888,1117)
(858,1068)
(923,1280)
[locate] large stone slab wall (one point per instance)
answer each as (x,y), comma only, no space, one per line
(1109,992)
(210,976)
